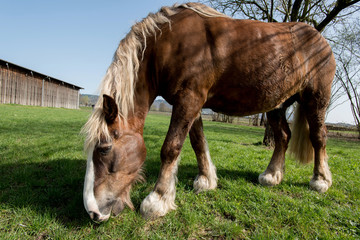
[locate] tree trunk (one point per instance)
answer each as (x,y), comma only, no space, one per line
(263,119)
(269,136)
(255,120)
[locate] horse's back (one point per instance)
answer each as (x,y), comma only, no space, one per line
(240,67)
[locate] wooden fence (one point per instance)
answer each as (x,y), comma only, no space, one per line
(22,86)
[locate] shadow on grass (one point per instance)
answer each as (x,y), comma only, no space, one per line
(233,129)
(247,175)
(31,178)
(53,187)
(188,172)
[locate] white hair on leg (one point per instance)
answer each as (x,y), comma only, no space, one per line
(209,180)
(322,183)
(271,179)
(155,205)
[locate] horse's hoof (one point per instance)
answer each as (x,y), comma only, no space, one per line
(320,185)
(269,179)
(154,205)
(203,183)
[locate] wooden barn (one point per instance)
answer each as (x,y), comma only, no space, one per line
(19,85)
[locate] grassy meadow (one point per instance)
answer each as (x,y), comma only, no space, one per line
(42,168)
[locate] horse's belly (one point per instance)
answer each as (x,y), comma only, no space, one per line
(252,92)
(241,103)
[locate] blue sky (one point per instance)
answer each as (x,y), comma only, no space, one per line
(70,40)
(75,40)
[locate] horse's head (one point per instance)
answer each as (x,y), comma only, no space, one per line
(114,164)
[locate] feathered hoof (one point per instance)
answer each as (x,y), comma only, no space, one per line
(154,206)
(203,183)
(270,179)
(320,185)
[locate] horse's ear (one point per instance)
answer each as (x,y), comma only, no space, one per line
(110,109)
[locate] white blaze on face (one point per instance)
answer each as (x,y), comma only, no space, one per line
(90,203)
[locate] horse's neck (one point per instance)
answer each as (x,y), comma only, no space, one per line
(143,100)
(145,93)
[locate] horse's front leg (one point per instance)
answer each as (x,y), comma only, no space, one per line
(206,179)
(162,199)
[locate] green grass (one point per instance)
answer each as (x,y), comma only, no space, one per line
(42,167)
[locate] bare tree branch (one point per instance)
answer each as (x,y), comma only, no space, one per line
(272,9)
(340,5)
(295,10)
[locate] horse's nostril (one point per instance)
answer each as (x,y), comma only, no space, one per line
(94,216)
(98,217)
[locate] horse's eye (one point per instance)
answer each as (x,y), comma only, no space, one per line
(104,150)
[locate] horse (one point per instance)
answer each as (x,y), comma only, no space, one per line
(195,57)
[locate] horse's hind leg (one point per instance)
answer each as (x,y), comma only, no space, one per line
(207,178)
(315,115)
(274,173)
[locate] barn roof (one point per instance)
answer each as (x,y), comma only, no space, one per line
(40,75)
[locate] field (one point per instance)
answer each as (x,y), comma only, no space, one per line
(42,167)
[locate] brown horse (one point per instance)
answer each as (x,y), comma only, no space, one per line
(195,57)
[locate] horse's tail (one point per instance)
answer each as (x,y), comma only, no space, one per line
(300,145)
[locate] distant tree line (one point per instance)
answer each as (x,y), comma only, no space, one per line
(88,100)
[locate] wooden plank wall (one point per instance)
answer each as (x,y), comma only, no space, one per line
(25,88)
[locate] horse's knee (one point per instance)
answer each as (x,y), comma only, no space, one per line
(170,152)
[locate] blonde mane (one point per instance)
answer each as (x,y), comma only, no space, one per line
(121,76)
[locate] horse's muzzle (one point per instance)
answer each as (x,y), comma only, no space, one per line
(98,217)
